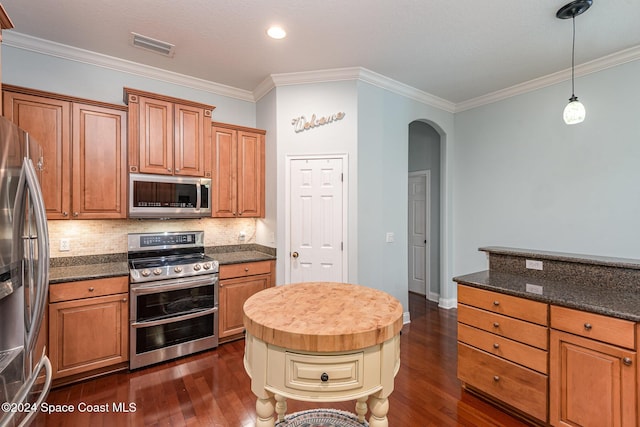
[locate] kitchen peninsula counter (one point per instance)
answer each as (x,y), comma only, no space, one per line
(603,285)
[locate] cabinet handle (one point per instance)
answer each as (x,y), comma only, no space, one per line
(75,214)
(168,169)
(496,378)
(91,289)
(65,214)
(124,299)
(496,324)
(177,170)
(587,326)
(627,361)
(324,377)
(496,303)
(246,269)
(496,345)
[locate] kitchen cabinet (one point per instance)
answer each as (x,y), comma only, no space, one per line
(237,283)
(503,344)
(168,136)
(88,327)
(238,171)
(83,173)
(593,370)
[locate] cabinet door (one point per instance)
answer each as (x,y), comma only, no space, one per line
(99,162)
(48,121)
(250,174)
(224,172)
(233,293)
(189,141)
(156,135)
(591,383)
(88,334)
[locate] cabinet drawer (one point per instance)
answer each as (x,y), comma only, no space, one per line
(520,308)
(88,288)
(517,330)
(514,351)
(228,271)
(322,373)
(516,386)
(595,326)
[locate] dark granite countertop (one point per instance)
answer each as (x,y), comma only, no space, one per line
(72,269)
(621,300)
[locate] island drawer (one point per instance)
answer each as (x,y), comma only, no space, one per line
(519,387)
(88,288)
(319,373)
(522,354)
(607,329)
(519,308)
(229,271)
(517,330)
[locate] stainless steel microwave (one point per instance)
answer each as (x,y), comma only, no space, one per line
(164,196)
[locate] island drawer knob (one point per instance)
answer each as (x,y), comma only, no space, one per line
(587,326)
(496,345)
(496,324)
(496,378)
(324,377)
(496,303)
(91,289)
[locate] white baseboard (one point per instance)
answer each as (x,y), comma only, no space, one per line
(406,318)
(448,303)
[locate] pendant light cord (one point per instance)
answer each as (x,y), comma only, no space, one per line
(573,54)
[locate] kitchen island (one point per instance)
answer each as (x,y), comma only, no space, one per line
(322,342)
(552,336)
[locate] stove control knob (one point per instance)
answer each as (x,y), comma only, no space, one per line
(207,265)
(145,273)
(197,267)
(177,269)
(157,271)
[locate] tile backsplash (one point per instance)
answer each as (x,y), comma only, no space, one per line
(97,237)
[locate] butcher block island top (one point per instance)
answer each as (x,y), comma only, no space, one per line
(323,316)
(322,342)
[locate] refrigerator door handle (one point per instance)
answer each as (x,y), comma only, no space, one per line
(29,181)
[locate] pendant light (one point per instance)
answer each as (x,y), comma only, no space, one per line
(574,112)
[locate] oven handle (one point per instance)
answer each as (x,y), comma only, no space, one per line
(174,319)
(174,284)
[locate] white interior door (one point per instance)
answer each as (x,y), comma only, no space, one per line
(316,220)
(419,247)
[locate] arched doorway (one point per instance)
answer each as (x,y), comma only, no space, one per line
(424,222)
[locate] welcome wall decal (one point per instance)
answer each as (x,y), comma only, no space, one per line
(301,123)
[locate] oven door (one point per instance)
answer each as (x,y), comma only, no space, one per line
(172,318)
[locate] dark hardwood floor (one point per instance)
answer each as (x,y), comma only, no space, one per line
(212,389)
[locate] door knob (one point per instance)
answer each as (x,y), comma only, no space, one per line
(295,254)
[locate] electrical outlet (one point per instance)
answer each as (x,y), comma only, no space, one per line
(242,236)
(65,245)
(533,264)
(390,237)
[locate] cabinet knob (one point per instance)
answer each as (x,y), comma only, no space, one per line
(168,169)
(587,326)
(496,378)
(496,303)
(496,345)
(246,269)
(324,377)
(65,214)
(91,289)
(124,299)
(75,214)
(177,170)
(496,324)
(627,361)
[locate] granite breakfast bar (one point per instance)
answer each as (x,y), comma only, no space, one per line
(552,336)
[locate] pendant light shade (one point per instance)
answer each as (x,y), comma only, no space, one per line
(574,112)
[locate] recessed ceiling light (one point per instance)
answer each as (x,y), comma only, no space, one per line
(276,32)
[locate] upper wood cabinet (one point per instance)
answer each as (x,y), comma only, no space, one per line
(84,143)
(238,171)
(168,136)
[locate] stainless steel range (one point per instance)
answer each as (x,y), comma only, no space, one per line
(173,288)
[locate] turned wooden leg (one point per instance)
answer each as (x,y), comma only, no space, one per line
(361,408)
(265,411)
(281,406)
(379,408)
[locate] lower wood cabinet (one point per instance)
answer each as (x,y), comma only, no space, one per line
(594,370)
(88,326)
(237,283)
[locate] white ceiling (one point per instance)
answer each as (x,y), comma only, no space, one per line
(455,50)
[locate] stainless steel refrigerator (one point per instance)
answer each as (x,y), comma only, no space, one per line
(25,375)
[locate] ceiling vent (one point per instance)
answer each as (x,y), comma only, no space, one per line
(153,45)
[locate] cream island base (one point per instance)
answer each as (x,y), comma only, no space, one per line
(322,342)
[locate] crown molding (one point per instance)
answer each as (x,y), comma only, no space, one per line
(609,61)
(46,47)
